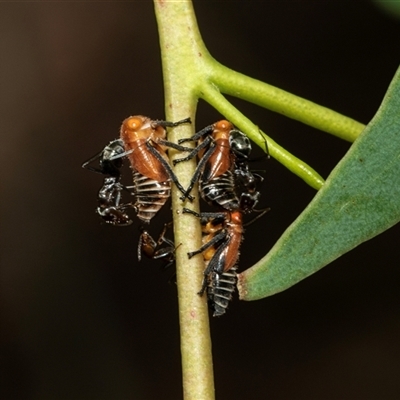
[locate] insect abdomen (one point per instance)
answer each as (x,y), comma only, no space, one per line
(150,196)
(220,290)
(220,191)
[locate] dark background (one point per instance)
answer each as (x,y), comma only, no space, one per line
(80,318)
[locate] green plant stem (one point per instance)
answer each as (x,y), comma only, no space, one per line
(212,95)
(275,99)
(190,72)
(204,77)
(176,23)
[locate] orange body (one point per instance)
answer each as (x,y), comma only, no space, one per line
(235,228)
(136,132)
(233,224)
(221,160)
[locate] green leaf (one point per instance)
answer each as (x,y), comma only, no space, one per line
(391,7)
(360,199)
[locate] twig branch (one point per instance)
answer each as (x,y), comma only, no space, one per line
(179,41)
(190,73)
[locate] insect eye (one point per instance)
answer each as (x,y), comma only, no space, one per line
(133,123)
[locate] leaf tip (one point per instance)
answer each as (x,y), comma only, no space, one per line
(241,286)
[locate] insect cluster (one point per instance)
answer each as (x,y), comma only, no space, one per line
(225,182)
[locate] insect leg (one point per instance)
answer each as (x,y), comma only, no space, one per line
(198,171)
(217,238)
(172,124)
(93,169)
(205,215)
(169,124)
(162,238)
(194,151)
(168,169)
(198,135)
(261,213)
(174,145)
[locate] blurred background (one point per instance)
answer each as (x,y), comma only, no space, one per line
(79,317)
